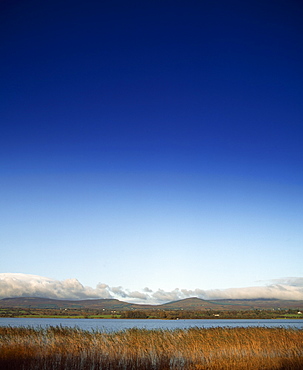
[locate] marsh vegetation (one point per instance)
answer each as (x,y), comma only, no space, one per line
(61,348)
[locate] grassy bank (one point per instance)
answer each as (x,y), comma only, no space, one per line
(67,316)
(59,348)
(166,314)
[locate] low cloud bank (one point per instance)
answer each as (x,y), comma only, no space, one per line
(23,285)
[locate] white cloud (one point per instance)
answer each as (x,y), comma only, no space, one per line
(292,281)
(276,291)
(138,295)
(163,296)
(119,291)
(23,285)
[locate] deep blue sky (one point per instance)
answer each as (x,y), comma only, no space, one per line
(152,142)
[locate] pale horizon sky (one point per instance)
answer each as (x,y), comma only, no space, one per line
(152,144)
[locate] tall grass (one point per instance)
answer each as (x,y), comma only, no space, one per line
(61,348)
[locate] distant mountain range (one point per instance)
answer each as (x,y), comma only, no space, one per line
(184,304)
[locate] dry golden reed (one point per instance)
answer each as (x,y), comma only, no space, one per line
(61,348)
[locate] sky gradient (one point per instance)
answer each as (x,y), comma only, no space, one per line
(152,144)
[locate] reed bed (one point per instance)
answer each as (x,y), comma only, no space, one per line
(62,348)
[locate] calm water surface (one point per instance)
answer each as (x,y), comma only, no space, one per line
(110,325)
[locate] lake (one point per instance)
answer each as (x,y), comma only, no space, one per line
(112,325)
